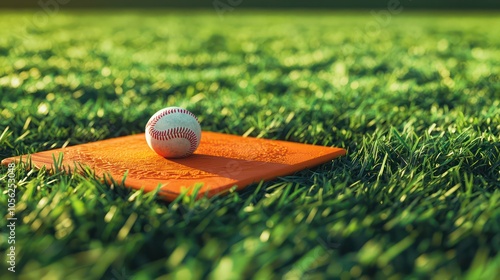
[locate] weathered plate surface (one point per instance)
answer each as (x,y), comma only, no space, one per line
(220,162)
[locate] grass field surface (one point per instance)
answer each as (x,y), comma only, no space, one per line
(414,99)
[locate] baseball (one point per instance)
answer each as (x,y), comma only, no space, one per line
(173,132)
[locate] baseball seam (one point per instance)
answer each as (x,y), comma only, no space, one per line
(153,121)
(173,133)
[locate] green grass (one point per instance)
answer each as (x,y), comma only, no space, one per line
(416,104)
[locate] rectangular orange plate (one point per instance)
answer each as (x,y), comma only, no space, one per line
(220,162)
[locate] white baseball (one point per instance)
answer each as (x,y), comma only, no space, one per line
(173,132)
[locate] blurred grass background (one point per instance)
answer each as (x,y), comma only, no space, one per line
(280,4)
(415,102)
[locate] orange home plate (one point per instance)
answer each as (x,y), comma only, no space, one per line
(220,162)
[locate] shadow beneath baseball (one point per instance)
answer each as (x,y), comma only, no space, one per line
(236,169)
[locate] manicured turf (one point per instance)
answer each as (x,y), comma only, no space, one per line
(415,101)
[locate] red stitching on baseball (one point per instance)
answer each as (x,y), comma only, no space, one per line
(169,111)
(172,133)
